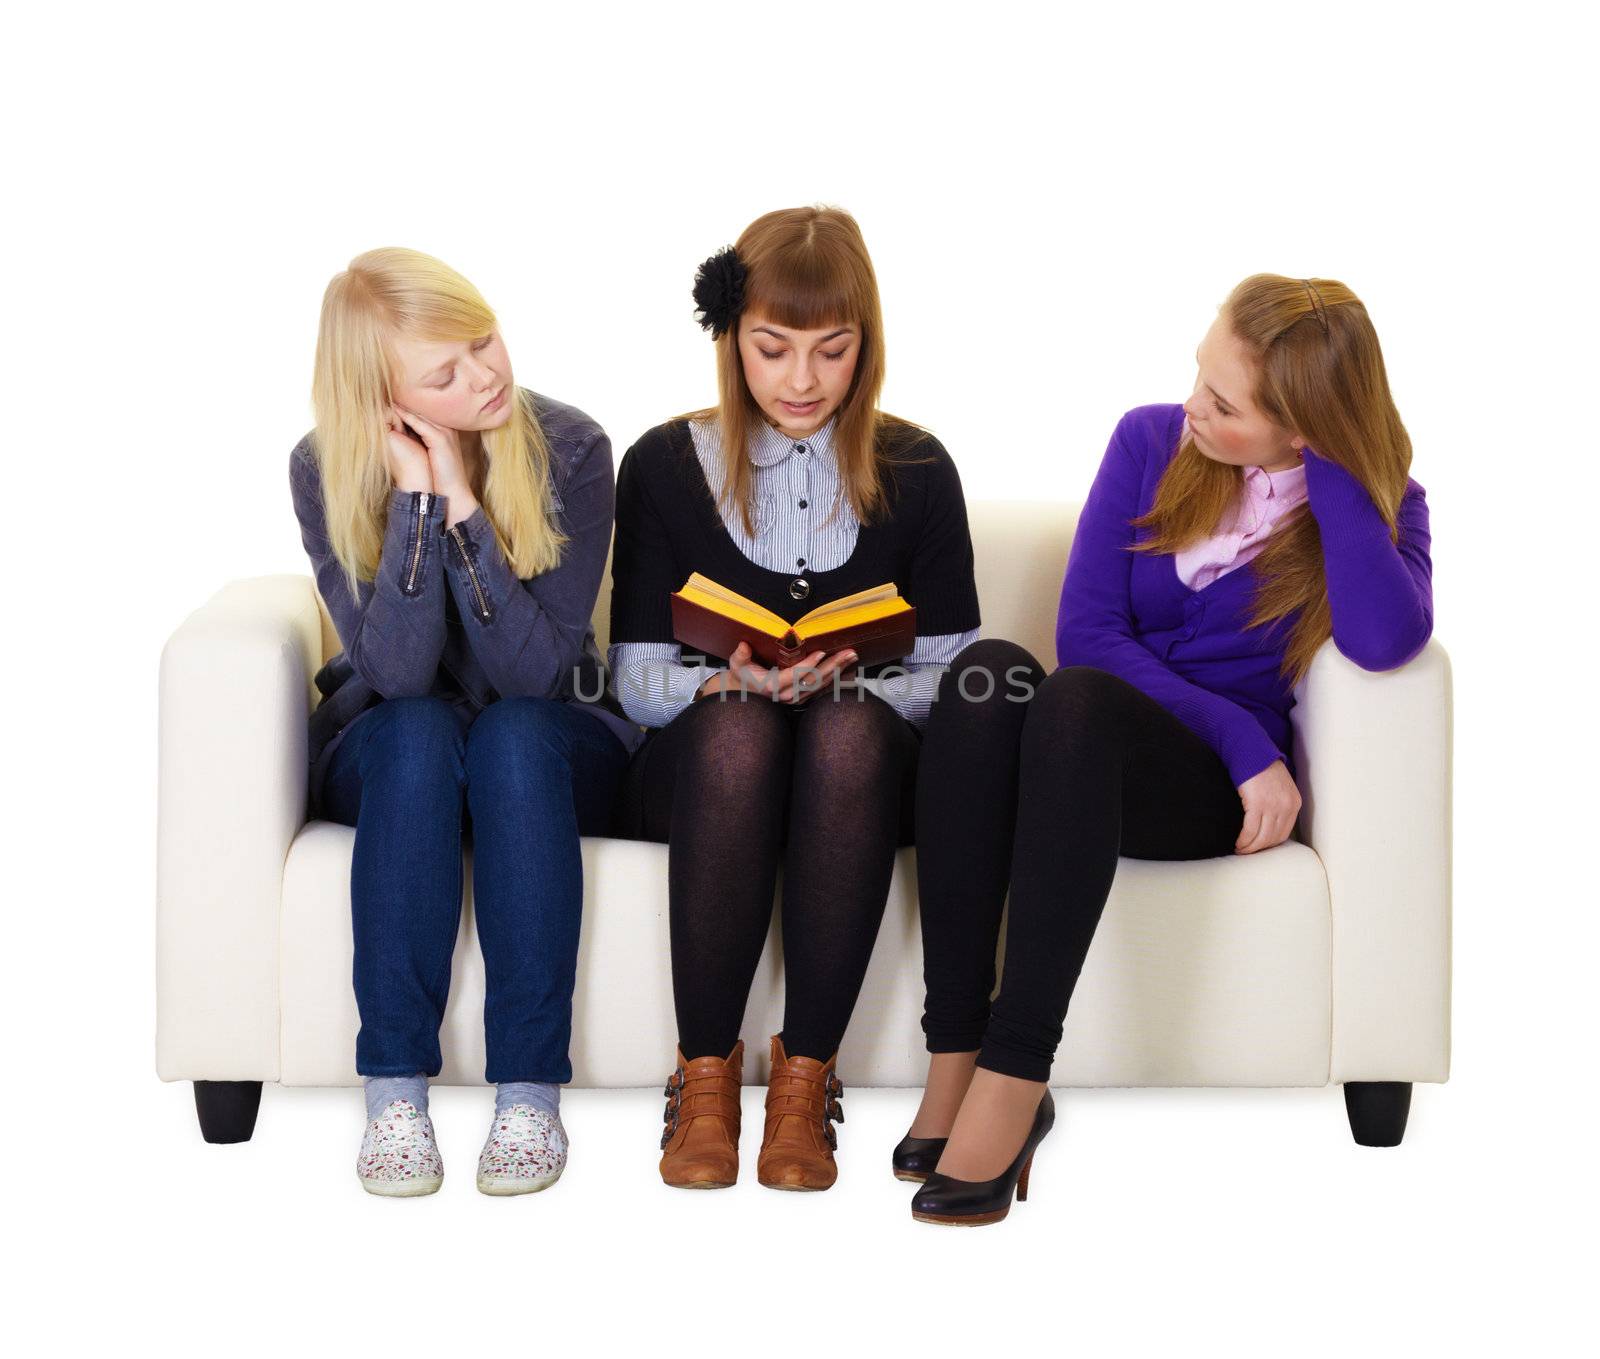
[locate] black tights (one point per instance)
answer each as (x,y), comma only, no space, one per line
(727,784)
(1043,795)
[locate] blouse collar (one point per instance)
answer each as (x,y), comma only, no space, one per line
(1288,484)
(769,446)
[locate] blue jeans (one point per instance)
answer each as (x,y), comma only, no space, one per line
(525,778)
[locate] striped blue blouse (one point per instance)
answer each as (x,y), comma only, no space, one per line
(803,520)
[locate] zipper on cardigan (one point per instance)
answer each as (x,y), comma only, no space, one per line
(424,498)
(472,575)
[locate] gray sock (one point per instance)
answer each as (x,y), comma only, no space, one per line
(381,1089)
(536,1093)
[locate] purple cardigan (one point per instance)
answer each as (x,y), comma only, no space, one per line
(1190,650)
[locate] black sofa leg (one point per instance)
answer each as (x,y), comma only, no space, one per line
(227,1109)
(1377,1111)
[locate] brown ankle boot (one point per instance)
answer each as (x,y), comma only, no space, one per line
(700,1146)
(798,1141)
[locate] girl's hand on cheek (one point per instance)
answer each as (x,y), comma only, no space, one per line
(444,454)
(409,467)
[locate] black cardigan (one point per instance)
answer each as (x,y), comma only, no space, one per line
(668,526)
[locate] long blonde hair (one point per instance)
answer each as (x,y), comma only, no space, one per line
(382,294)
(1321,374)
(807,268)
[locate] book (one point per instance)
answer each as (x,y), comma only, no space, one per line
(877,624)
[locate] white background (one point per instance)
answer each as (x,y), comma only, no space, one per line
(1056,200)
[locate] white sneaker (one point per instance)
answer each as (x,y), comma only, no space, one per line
(399,1157)
(526,1151)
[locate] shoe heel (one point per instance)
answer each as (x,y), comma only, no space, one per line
(1022,1181)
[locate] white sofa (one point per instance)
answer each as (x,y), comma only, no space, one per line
(1324,960)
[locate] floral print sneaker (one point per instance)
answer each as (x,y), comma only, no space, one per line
(526,1151)
(399,1158)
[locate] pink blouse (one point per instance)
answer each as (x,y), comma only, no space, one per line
(1265,499)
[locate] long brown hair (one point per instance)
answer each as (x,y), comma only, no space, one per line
(807,268)
(1320,373)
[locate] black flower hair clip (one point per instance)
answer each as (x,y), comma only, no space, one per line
(719,291)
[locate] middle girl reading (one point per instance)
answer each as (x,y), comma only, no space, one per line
(793,491)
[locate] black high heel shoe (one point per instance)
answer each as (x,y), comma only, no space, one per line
(915,1157)
(973,1203)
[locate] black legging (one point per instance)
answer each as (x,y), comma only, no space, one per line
(727,783)
(1043,794)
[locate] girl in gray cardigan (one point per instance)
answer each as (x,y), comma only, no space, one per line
(457,525)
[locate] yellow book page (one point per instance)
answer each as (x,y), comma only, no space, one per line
(848,602)
(719,599)
(847,618)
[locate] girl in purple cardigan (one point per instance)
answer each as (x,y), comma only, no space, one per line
(1223,542)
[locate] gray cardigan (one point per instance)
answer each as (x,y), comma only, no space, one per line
(447,616)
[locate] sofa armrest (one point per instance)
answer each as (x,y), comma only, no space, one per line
(1373,754)
(236,682)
